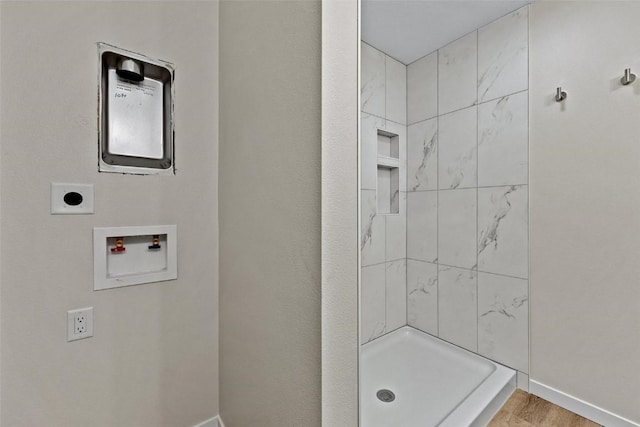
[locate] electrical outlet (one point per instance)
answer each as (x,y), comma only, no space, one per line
(79,323)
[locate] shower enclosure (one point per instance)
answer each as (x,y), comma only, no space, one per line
(444,297)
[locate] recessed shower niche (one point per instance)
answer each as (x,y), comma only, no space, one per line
(388,178)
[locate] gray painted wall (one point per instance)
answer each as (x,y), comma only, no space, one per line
(270,213)
(153,360)
(585,226)
(340,246)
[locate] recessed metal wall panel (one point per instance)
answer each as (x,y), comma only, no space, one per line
(135,113)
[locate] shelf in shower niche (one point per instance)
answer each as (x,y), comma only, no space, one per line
(388,165)
(388,144)
(388,162)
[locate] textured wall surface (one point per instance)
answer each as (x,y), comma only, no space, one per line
(270,151)
(585,227)
(340,98)
(153,358)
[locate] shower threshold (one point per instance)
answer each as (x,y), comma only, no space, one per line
(433,383)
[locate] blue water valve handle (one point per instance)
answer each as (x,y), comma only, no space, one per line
(155,243)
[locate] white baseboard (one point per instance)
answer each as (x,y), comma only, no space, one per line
(580,407)
(211,422)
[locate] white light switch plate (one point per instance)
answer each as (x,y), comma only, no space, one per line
(60,207)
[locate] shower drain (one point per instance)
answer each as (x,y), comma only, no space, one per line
(386,395)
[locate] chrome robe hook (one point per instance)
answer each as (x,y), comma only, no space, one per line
(628,77)
(560,95)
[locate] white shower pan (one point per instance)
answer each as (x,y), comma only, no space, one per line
(435,383)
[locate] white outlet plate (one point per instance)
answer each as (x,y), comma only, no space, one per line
(60,207)
(79,323)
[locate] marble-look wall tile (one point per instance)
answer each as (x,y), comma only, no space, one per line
(457,149)
(396,294)
(422,89)
(457,227)
(373,302)
(401,131)
(467,173)
(503,135)
(372,76)
(372,245)
(503,230)
(457,312)
(422,225)
(396,230)
(422,296)
(457,74)
(396,90)
(369,150)
(422,156)
(383,239)
(503,320)
(503,56)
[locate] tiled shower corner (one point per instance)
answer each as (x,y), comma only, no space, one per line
(457,249)
(383,236)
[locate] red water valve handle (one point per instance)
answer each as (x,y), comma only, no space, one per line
(119,245)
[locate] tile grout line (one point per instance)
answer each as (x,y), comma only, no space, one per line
(477,186)
(406,199)
(386,296)
(438,193)
(528,9)
(468,188)
(475,104)
(381,118)
(464,268)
